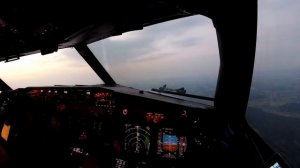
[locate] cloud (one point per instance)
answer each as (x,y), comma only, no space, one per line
(136,43)
(168,39)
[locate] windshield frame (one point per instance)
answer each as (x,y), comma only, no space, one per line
(90,58)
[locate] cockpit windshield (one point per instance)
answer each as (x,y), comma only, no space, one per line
(179,55)
(64,67)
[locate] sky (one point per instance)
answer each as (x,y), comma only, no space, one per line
(177,50)
(278,38)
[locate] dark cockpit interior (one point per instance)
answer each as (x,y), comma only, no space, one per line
(72,126)
(110,125)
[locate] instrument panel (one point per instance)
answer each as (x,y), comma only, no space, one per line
(117,129)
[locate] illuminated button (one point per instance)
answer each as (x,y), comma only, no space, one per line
(125,112)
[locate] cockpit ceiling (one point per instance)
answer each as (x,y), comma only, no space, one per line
(33,26)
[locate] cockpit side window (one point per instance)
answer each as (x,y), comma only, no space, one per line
(274,104)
